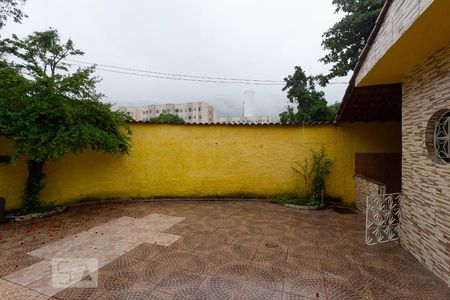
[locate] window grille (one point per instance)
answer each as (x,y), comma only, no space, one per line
(442,138)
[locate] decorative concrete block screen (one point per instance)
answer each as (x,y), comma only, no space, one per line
(206,161)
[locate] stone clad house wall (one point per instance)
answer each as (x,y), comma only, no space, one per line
(366,187)
(426,183)
(400,16)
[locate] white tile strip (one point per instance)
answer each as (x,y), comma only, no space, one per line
(105,243)
(30,274)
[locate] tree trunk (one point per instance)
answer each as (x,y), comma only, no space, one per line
(33,186)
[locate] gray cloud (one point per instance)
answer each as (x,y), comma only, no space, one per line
(259,39)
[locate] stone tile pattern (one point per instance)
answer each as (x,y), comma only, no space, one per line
(400,16)
(365,187)
(248,250)
(426,184)
(105,243)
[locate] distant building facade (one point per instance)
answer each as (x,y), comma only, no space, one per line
(192,112)
(246,120)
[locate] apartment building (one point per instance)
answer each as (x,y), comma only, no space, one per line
(191,112)
(246,120)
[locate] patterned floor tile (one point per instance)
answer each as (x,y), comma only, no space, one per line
(178,280)
(313,287)
(226,250)
(216,287)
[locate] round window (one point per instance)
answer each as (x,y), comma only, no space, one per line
(438,137)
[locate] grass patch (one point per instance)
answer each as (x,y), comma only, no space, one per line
(295,200)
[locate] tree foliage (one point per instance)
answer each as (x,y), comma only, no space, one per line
(305,103)
(347,38)
(167,118)
(11,8)
(48,111)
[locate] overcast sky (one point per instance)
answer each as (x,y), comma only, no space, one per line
(256,39)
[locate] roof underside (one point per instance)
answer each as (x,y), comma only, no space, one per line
(378,95)
(373,103)
(429,32)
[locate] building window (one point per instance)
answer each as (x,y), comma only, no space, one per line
(442,138)
(199,109)
(438,137)
(190,109)
(190,117)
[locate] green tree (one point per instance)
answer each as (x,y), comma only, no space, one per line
(305,103)
(334,108)
(288,116)
(346,39)
(48,111)
(11,8)
(167,118)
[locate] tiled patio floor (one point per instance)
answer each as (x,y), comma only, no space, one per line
(213,250)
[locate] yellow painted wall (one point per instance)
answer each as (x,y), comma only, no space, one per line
(205,161)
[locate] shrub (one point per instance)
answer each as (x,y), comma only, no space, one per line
(313,172)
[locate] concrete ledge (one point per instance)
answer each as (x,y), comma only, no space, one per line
(369,179)
(304,207)
(20,218)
